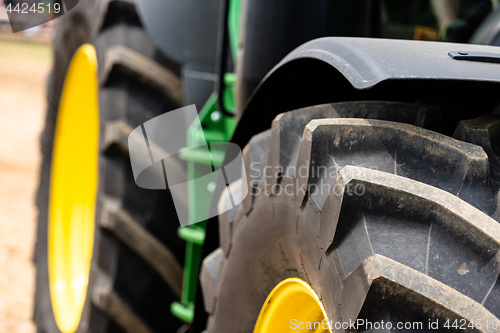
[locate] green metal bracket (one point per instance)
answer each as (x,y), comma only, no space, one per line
(201,156)
(183,312)
(215,127)
(193,235)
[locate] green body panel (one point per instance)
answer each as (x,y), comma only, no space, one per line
(233,22)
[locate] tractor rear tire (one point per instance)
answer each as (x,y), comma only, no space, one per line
(136,270)
(383,218)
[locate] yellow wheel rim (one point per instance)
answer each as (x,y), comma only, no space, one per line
(292,306)
(73,190)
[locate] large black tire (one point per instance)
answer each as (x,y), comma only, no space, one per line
(402,232)
(136,272)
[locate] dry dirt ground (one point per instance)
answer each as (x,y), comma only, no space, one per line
(23,71)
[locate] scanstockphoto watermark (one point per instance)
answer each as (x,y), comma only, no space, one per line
(322,180)
(358,324)
(314,189)
(26,14)
(430,324)
(159,147)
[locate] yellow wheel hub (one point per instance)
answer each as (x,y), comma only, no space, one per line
(292,306)
(73,190)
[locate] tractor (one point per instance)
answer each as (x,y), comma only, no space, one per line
(370,136)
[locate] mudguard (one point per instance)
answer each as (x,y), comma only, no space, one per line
(366,62)
(336,69)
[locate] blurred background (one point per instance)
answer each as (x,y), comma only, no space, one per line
(25,61)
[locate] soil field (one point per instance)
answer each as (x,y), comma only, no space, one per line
(23,71)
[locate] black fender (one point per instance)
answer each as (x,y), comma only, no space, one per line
(336,69)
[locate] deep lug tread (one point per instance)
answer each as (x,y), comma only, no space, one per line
(227,214)
(109,302)
(116,136)
(287,127)
(150,71)
(255,160)
(397,148)
(392,281)
(484,132)
(105,10)
(116,139)
(411,244)
(410,196)
(208,277)
(104,6)
(469,252)
(130,232)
